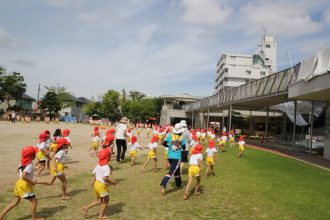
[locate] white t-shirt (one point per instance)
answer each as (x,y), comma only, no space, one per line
(100,172)
(47,142)
(194,159)
(68,139)
(135,146)
(241,143)
(61,155)
(210,151)
(120,131)
(42,146)
(224,138)
(96,138)
(28,169)
(198,133)
(152,145)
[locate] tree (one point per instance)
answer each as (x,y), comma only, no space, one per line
(12,86)
(91,107)
(50,103)
(110,105)
(136,95)
(63,96)
(123,98)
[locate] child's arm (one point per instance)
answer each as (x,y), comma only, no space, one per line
(200,164)
(110,181)
(70,146)
(27,179)
(215,156)
(94,179)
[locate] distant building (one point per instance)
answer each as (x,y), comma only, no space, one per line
(172,111)
(237,69)
(75,109)
(25,105)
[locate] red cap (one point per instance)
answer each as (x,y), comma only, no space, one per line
(224,133)
(241,138)
(60,142)
(46,131)
(96,133)
(66,132)
(43,137)
(134,139)
(196,152)
(108,140)
(199,147)
(211,143)
(103,156)
(96,128)
(154,139)
(27,155)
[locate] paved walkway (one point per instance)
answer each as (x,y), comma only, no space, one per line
(314,160)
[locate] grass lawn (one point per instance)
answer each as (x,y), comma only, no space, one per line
(261,185)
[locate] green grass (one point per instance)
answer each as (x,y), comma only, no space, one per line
(261,185)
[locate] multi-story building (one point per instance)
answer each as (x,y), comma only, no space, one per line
(236,69)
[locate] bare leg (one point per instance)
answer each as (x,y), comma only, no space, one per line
(198,178)
(155,165)
(133,160)
(144,165)
(10,206)
(48,160)
(181,167)
(91,205)
(105,202)
(42,167)
(186,193)
(207,171)
(64,185)
(34,203)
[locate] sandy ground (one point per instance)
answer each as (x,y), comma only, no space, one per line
(13,137)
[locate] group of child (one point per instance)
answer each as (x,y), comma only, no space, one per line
(50,152)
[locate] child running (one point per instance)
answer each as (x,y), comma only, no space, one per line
(195,169)
(223,141)
(101,183)
(152,154)
(24,186)
(41,153)
(241,144)
(57,134)
(133,150)
(95,141)
(211,153)
(57,169)
(232,138)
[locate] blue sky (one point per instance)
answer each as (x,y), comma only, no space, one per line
(157,47)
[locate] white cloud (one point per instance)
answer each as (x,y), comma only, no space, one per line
(23,62)
(326,16)
(205,12)
(7,41)
(279,18)
(147,32)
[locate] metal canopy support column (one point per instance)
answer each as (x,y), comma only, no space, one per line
(311,122)
(230,111)
(294,126)
(192,119)
(266,128)
(250,124)
(223,120)
(208,118)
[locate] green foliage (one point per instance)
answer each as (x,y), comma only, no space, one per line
(62,95)
(136,95)
(91,108)
(110,105)
(50,103)
(12,85)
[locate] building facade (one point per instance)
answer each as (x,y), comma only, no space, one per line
(237,69)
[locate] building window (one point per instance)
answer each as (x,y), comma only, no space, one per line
(248,72)
(233,57)
(226,70)
(226,79)
(262,73)
(267,45)
(267,59)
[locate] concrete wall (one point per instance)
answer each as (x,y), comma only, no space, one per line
(166,115)
(327,134)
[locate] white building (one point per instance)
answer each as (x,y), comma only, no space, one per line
(236,69)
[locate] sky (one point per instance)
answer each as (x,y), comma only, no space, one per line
(158,47)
